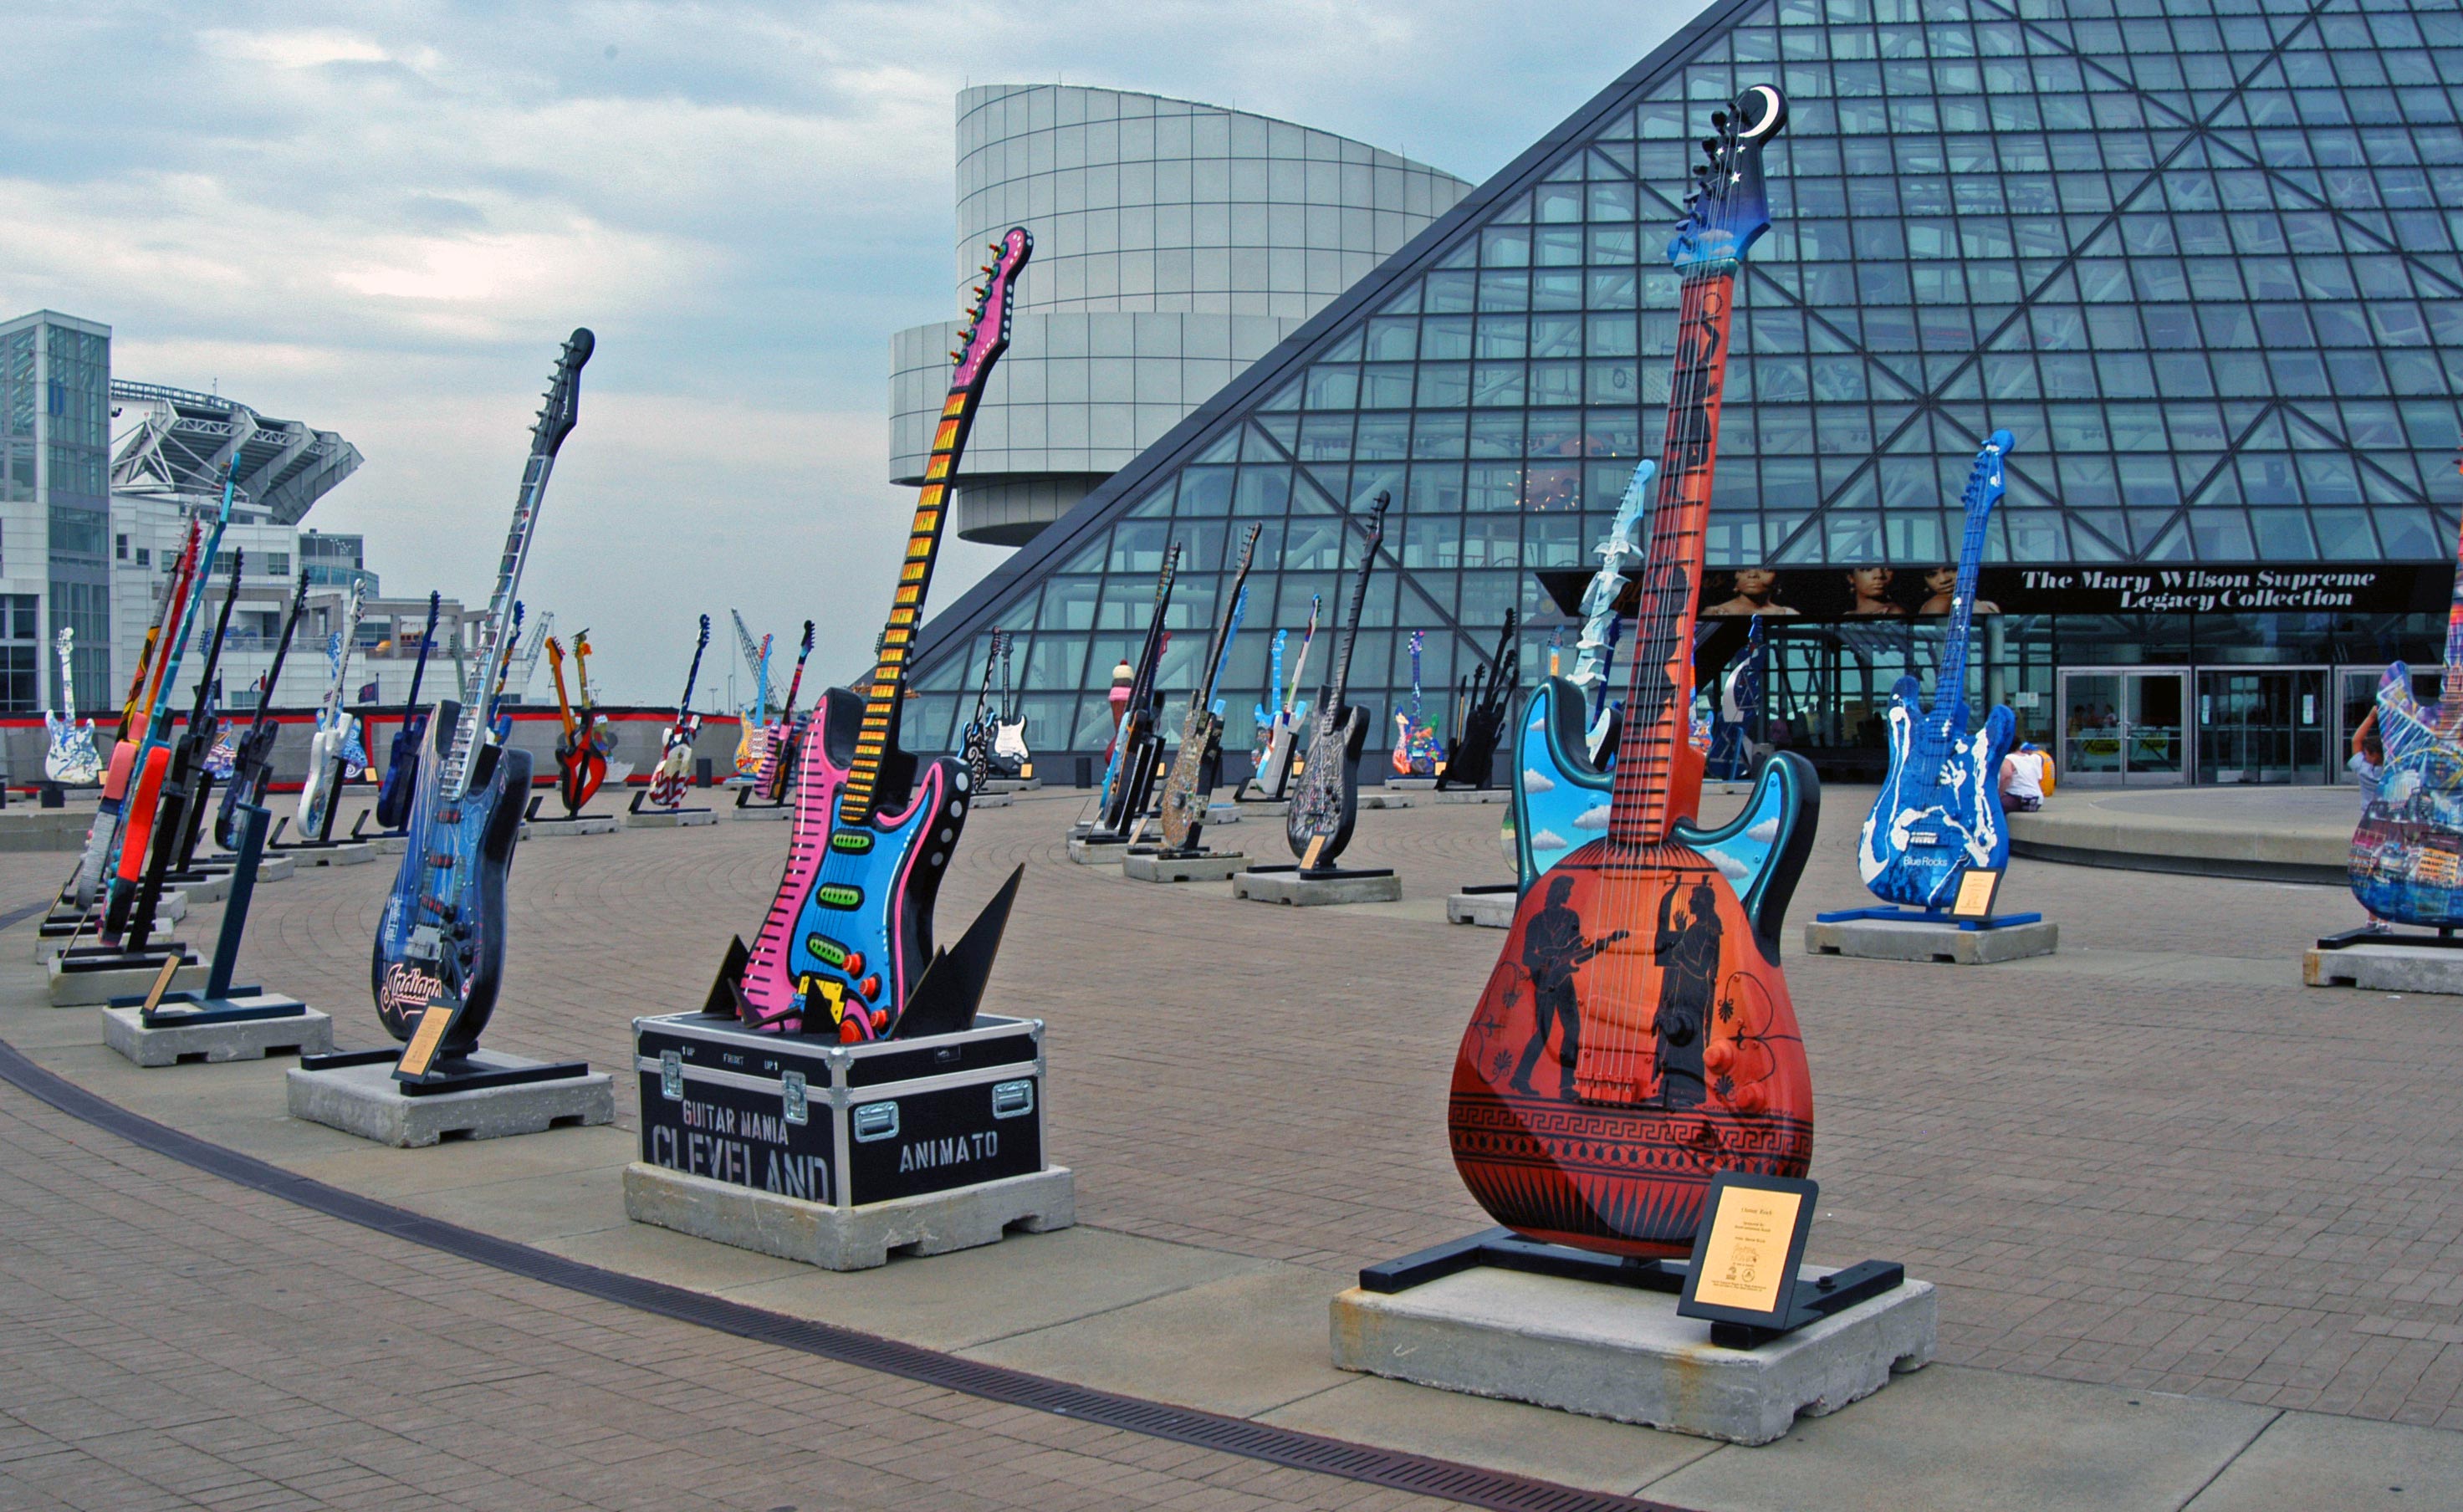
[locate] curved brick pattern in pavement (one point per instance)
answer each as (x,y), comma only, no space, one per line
(2154,1159)
(176,1342)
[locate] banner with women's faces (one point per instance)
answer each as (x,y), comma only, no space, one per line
(1903,592)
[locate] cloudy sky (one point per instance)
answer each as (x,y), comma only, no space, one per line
(382,218)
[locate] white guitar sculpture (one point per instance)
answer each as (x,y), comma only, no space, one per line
(72,760)
(337,727)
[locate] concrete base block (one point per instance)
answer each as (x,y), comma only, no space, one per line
(1223,813)
(1490,910)
(992,800)
(1410,784)
(1305,892)
(365,1100)
(1149,867)
(850,1238)
(993,786)
(1622,1353)
(92,989)
(670,818)
(1471,795)
(1088,852)
(306,1032)
(211,887)
(754,812)
(1369,799)
(2394,967)
(1904,940)
(349,853)
(585,825)
(1265,808)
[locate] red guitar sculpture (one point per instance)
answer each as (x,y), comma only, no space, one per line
(1644,966)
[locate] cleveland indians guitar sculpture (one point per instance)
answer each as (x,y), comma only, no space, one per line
(402,757)
(72,759)
(1190,787)
(440,945)
(849,935)
(1938,815)
(671,778)
(1650,964)
(1325,805)
(2406,863)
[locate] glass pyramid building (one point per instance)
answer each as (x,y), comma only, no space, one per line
(2199,256)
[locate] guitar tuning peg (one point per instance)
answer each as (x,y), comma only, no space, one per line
(1719,120)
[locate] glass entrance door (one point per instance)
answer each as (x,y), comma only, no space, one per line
(2123,725)
(2262,724)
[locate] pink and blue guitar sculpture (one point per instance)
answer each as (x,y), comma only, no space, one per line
(848,937)
(2406,860)
(1939,813)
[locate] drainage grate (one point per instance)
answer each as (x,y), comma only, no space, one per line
(1234,1435)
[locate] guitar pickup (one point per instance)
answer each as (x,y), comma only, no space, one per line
(426,943)
(839,895)
(830,953)
(441,860)
(449,814)
(851,843)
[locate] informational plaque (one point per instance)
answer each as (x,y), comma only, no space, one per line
(162,985)
(421,1053)
(1976,889)
(1747,1251)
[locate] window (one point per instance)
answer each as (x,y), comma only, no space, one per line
(278,564)
(119,547)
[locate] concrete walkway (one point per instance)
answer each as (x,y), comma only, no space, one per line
(1184,1318)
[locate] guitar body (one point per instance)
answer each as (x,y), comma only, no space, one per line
(70,760)
(1560,799)
(1604,1082)
(1325,805)
(1283,744)
(580,770)
(2407,863)
(672,777)
(401,774)
(315,790)
(251,765)
(1187,792)
(1010,755)
(442,935)
(1939,811)
(1473,760)
(850,931)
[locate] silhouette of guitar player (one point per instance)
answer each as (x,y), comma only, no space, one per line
(1553,949)
(1688,953)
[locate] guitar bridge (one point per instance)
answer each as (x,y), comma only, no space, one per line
(426,943)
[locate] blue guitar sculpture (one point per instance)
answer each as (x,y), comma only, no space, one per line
(1560,794)
(440,944)
(1939,811)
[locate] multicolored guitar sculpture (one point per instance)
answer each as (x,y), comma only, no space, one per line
(671,778)
(1939,813)
(1128,778)
(779,753)
(850,932)
(2407,865)
(1326,803)
(976,738)
(1010,758)
(1740,706)
(1480,713)
(1561,770)
(72,759)
(252,754)
(440,943)
(753,734)
(1280,735)
(401,759)
(1415,740)
(1190,787)
(1641,970)
(580,766)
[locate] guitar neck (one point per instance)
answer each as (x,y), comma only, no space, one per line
(1659,703)
(1339,683)
(495,631)
(1951,684)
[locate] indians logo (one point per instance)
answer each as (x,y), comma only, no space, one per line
(406,990)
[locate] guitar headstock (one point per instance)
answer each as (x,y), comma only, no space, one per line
(556,654)
(986,334)
(1249,548)
(563,410)
(1728,206)
(1171,570)
(1989,480)
(1377,509)
(702,645)
(807,650)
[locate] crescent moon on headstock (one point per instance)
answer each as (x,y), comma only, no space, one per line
(1773,109)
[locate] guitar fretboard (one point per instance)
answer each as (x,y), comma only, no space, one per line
(493,629)
(1983,490)
(1658,708)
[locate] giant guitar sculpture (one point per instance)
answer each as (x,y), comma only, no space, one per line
(1280,734)
(402,757)
(330,748)
(1644,969)
(1560,789)
(672,776)
(1190,787)
(1938,815)
(180,810)
(778,751)
(752,737)
(1487,699)
(71,759)
(440,942)
(1128,778)
(2406,861)
(850,932)
(252,753)
(1325,804)
(1011,758)
(1415,740)
(580,766)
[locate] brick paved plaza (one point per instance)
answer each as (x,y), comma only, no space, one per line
(2153,1161)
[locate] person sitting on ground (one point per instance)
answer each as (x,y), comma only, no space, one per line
(2026,773)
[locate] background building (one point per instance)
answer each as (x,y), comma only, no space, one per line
(55,509)
(1175,243)
(2201,260)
